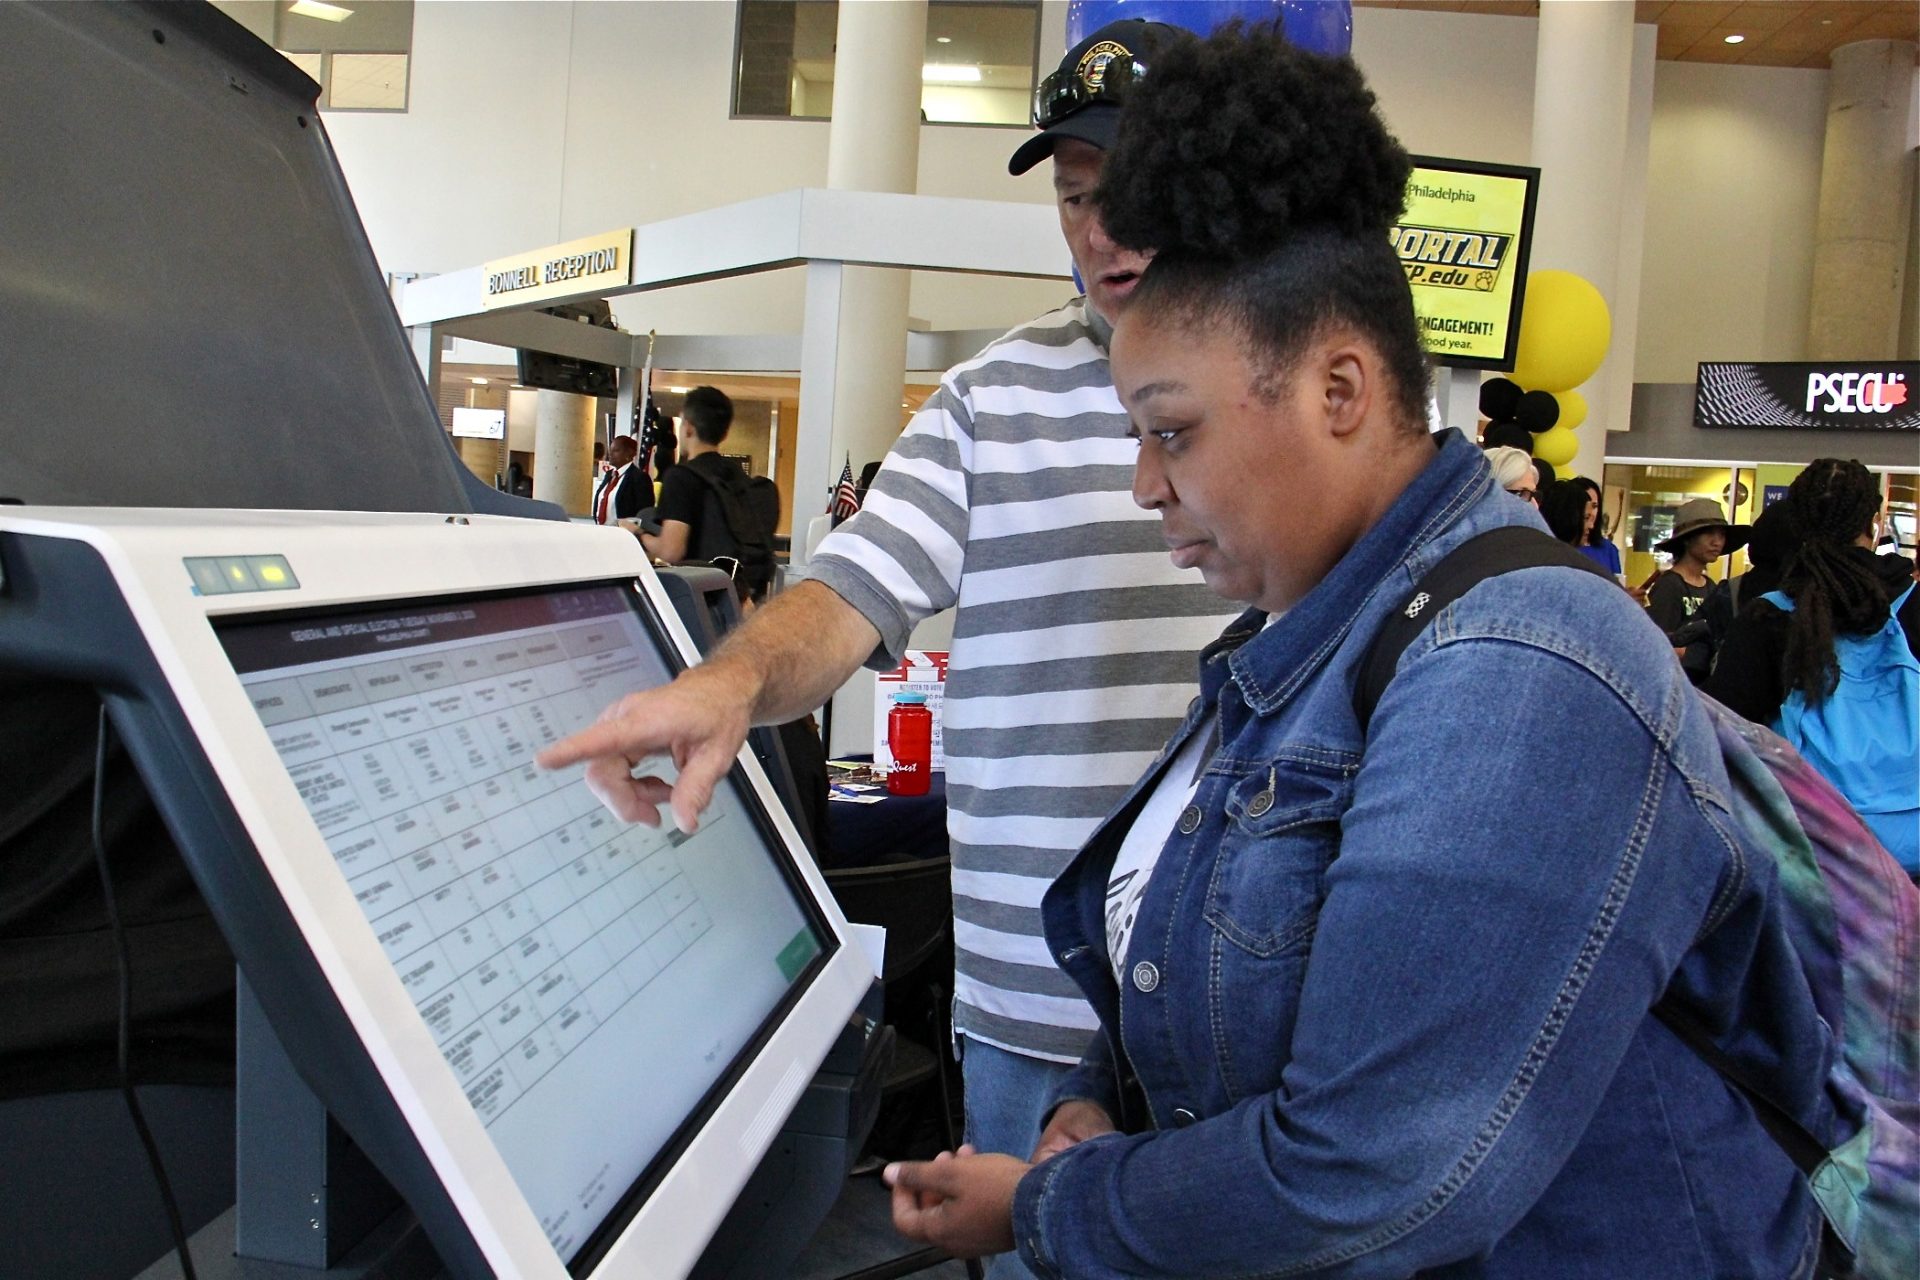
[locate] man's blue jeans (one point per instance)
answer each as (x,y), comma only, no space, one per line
(1006,1096)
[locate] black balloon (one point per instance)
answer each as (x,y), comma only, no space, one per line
(1511,434)
(1537,411)
(1499,397)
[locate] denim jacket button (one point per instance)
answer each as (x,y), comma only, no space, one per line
(1183,1117)
(1260,804)
(1190,820)
(1145,977)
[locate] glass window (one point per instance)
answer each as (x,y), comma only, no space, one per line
(1903,511)
(356,50)
(978,66)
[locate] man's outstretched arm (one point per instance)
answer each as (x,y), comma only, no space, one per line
(784,661)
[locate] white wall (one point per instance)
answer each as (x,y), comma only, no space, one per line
(531,123)
(1733,190)
(1451,84)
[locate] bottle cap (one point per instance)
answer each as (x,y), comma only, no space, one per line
(899,698)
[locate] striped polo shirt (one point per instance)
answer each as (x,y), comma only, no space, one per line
(1073,658)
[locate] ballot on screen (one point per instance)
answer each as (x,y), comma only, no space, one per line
(570,1038)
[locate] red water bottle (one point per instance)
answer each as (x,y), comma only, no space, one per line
(910,740)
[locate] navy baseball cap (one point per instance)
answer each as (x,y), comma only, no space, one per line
(1082,97)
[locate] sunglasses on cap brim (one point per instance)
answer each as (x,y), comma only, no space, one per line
(1065,91)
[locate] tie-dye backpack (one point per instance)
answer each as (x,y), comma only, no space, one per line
(1854,921)
(1856,918)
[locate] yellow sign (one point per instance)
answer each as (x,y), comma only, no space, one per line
(1463,243)
(579,266)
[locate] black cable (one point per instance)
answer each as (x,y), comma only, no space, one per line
(125,961)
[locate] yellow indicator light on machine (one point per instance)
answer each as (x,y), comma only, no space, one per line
(238,572)
(272,574)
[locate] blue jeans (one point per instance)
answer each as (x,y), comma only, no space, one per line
(1006,1097)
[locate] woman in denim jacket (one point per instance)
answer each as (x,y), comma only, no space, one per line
(1369,1017)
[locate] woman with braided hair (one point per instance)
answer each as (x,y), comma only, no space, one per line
(1360,1014)
(1782,656)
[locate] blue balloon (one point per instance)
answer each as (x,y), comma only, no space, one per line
(1319,26)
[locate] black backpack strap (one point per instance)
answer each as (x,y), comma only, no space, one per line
(1487,555)
(1805,1150)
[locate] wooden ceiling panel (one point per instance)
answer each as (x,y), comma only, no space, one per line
(1697,15)
(1752,18)
(1779,33)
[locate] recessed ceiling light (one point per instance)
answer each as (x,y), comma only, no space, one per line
(316,9)
(943,39)
(679,391)
(949,73)
(478,382)
(1735,39)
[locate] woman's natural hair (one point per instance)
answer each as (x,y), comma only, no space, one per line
(1563,505)
(1597,535)
(1265,181)
(1512,468)
(1833,590)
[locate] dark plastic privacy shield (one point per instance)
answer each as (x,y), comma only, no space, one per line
(190,313)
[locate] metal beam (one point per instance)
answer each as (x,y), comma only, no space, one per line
(922,233)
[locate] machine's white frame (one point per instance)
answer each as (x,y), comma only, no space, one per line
(347,559)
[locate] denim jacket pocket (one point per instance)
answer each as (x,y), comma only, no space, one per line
(1263,902)
(1282,830)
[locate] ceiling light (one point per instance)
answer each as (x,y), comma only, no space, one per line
(1735,39)
(316,9)
(679,391)
(478,382)
(943,39)
(949,73)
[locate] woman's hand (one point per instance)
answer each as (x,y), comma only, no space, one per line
(1073,1122)
(959,1201)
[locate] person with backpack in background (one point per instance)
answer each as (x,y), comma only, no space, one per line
(709,510)
(1828,658)
(1359,1015)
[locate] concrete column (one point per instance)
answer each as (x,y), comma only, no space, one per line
(1866,189)
(1583,79)
(873,144)
(563,451)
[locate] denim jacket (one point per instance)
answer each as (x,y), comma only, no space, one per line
(1386,1005)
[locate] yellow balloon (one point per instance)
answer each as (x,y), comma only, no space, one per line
(1556,446)
(1573,409)
(1564,332)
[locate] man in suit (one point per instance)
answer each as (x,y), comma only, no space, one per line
(624,490)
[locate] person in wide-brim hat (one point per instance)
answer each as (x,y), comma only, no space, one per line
(1701,535)
(1697,516)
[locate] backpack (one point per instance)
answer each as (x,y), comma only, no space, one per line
(1865,735)
(745,530)
(1852,916)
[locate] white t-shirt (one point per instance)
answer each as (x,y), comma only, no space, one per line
(1140,850)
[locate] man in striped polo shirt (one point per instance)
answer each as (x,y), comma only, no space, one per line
(1009,498)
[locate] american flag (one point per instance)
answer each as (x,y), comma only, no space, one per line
(846,497)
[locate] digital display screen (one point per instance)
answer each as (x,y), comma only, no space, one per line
(591,984)
(1464,242)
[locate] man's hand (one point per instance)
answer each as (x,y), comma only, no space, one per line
(1073,1122)
(780,664)
(959,1201)
(700,721)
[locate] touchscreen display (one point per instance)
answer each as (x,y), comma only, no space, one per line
(589,982)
